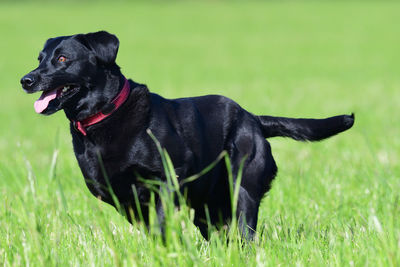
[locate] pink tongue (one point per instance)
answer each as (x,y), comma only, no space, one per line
(42,103)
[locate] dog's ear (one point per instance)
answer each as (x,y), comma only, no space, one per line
(103,44)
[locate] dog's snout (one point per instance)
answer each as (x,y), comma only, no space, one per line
(27,81)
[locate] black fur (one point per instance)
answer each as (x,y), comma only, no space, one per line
(305,129)
(194,131)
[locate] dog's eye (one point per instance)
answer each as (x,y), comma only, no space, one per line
(61,59)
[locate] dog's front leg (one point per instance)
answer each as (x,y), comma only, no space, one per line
(165,197)
(161,217)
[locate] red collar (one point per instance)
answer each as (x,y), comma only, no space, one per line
(98,117)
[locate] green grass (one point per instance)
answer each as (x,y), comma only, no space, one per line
(336,202)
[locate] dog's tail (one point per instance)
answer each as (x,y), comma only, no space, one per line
(305,129)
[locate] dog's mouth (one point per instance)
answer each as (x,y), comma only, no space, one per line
(60,93)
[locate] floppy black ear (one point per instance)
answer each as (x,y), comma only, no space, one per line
(103,44)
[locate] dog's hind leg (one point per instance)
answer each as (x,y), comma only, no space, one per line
(257,172)
(247,214)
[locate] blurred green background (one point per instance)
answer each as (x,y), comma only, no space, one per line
(290,58)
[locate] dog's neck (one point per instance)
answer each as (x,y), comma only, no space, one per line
(95,99)
(96,118)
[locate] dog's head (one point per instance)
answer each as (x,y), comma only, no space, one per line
(73,71)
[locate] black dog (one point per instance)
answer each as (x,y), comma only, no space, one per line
(110,117)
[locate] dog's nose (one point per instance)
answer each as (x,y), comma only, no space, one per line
(27,81)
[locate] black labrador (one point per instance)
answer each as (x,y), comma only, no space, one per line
(110,117)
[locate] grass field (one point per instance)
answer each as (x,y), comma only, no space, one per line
(335,202)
